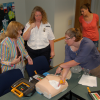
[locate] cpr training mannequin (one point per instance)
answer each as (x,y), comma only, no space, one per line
(49,85)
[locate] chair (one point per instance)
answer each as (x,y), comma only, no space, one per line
(8,78)
(40,64)
(0,68)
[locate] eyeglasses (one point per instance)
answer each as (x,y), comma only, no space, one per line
(67,38)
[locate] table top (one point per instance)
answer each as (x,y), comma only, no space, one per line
(83,92)
(73,82)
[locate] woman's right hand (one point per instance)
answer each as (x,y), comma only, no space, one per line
(32,25)
(58,70)
(16,60)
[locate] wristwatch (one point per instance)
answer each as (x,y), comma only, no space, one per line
(60,67)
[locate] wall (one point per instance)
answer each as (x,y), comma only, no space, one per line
(19,10)
(63,20)
(95,8)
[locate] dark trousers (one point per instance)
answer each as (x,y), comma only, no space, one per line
(96,71)
(40,52)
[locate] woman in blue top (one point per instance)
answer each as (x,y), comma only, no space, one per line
(79,51)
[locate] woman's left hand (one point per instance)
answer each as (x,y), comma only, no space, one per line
(52,54)
(62,81)
(30,61)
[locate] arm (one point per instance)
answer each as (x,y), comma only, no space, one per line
(52,48)
(27,33)
(69,64)
(66,67)
(30,61)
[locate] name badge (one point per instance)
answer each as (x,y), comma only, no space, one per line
(44,30)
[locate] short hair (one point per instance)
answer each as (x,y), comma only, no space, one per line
(74,32)
(86,6)
(13,28)
(44,16)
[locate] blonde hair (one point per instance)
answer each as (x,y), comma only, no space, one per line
(74,32)
(44,16)
(13,28)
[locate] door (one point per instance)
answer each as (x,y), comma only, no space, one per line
(79,3)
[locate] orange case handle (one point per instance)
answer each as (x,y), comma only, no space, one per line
(17,92)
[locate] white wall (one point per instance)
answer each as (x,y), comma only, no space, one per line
(95,8)
(64,11)
(19,10)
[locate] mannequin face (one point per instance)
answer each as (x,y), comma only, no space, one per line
(84,11)
(38,16)
(69,41)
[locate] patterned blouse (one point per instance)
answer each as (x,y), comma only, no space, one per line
(9,52)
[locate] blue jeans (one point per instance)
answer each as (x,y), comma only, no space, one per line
(96,43)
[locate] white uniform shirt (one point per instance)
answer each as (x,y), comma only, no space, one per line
(39,38)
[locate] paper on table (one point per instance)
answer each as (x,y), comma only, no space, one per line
(88,80)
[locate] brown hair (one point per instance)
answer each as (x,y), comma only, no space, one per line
(86,6)
(74,32)
(44,16)
(13,28)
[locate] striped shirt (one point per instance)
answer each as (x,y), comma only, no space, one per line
(9,52)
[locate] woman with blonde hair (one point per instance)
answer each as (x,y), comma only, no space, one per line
(39,35)
(12,48)
(79,51)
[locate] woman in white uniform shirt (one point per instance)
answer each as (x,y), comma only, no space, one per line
(39,35)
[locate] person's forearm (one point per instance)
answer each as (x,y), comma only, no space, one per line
(51,45)
(26,35)
(64,73)
(69,64)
